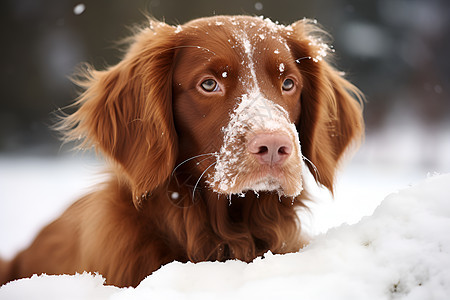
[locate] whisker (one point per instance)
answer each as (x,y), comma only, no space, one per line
(314,167)
(195,186)
(191,158)
(199,162)
(298,60)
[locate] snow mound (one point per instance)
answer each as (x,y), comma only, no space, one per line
(402,251)
(80,286)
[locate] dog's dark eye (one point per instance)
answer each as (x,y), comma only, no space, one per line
(288,84)
(210,85)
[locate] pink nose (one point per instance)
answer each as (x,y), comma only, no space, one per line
(270,148)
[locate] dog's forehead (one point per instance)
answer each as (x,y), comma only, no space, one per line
(239,32)
(250,50)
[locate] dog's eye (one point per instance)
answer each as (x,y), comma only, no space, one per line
(210,85)
(288,84)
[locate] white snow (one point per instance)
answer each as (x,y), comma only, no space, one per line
(81,286)
(321,48)
(178,29)
(37,190)
(401,251)
(247,46)
(243,38)
(79,9)
(259,6)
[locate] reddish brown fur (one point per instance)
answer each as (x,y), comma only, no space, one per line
(141,116)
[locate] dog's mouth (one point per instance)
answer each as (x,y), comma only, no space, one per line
(285,181)
(268,184)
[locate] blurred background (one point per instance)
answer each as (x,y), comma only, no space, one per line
(396,51)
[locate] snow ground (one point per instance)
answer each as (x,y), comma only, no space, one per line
(401,251)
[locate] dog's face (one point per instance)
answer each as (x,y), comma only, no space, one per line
(236,97)
(232,103)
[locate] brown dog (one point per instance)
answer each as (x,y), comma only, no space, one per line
(206,126)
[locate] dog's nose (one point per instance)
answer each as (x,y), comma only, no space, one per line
(270,148)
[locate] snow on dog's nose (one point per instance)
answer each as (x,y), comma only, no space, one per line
(270,148)
(260,152)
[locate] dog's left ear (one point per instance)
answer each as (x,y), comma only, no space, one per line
(125,111)
(331,107)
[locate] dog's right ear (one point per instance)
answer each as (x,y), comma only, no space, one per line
(125,111)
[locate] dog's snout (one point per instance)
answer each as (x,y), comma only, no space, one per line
(270,148)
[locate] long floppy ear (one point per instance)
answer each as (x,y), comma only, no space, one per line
(125,111)
(331,107)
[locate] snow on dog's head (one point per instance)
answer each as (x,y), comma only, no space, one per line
(260,152)
(247,92)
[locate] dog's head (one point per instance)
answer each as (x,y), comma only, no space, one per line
(235,103)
